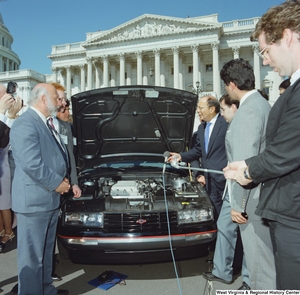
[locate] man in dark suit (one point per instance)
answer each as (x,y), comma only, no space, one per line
(211,151)
(278,166)
(39,180)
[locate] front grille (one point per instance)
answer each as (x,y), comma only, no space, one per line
(139,222)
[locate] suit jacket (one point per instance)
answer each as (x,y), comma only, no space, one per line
(4,135)
(245,137)
(215,158)
(278,167)
(66,134)
(40,166)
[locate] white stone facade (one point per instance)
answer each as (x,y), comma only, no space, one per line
(161,51)
(148,50)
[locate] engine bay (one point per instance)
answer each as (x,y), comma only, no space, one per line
(144,194)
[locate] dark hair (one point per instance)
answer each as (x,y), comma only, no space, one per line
(285,83)
(239,72)
(277,19)
(68,102)
(213,102)
(228,101)
(263,94)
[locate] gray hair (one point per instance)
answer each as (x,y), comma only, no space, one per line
(37,92)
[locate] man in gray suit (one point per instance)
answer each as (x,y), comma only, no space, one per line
(228,236)
(39,179)
(245,138)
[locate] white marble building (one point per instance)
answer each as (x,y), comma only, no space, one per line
(148,50)
(162,51)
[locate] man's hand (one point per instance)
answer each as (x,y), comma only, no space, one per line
(6,102)
(201,179)
(237,217)
(64,187)
(15,108)
(173,156)
(76,191)
(235,171)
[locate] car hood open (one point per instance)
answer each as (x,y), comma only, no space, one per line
(131,121)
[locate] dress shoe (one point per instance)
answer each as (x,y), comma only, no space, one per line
(56,278)
(62,292)
(244,286)
(210,277)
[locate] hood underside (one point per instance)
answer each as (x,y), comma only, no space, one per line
(132,120)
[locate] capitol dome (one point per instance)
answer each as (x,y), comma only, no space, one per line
(9,60)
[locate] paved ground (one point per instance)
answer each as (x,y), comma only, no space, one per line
(147,279)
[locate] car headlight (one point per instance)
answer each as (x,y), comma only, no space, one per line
(87,219)
(194,215)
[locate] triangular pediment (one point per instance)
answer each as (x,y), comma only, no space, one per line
(148,25)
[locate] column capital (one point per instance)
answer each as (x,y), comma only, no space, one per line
(236,50)
(195,47)
(255,47)
(175,49)
(139,54)
(121,56)
(89,59)
(215,45)
(157,52)
(104,58)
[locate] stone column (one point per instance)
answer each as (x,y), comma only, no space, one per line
(89,72)
(195,49)
(122,68)
(105,70)
(145,69)
(112,72)
(139,68)
(157,66)
(82,77)
(180,74)
(236,52)
(54,72)
(176,66)
(98,71)
(216,68)
(69,86)
(129,71)
(163,58)
(256,66)
(201,69)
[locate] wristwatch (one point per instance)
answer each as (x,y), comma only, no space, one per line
(246,174)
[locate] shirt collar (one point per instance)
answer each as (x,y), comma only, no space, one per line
(295,77)
(247,95)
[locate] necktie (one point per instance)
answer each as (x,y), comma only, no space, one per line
(57,139)
(50,120)
(206,136)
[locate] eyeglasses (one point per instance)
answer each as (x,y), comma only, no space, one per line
(201,108)
(261,54)
(61,99)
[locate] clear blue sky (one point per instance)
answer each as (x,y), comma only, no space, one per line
(36,25)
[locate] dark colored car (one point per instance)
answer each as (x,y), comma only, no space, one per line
(134,208)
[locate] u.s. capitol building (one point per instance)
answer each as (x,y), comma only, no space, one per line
(184,53)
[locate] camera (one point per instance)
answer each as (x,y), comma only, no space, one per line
(11,87)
